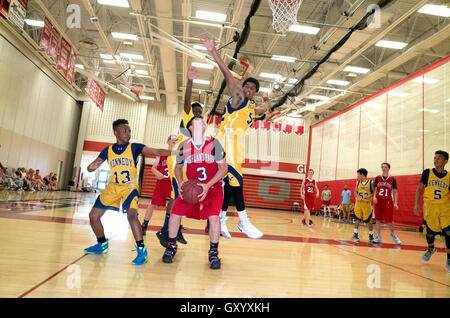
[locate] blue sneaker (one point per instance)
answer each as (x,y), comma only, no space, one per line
(142,256)
(99,248)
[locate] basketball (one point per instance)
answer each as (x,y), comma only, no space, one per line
(191,190)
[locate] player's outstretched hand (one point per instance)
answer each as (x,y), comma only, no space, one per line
(202,195)
(192,73)
(207,42)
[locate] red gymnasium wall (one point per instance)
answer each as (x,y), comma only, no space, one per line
(407,186)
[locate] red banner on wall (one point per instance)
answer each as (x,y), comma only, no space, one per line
(46,36)
(95,93)
(71,66)
(54,43)
(64,56)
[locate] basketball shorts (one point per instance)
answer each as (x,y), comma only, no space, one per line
(115,195)
(346,208)
(234,146)
(436,217)
(211,205)
(174,189)
(384,211)
(326,203)
(363,211)
(161,192)
(308,203)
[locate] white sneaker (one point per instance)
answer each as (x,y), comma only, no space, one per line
(224,229)
(246,227)
(378,240)
(395,238)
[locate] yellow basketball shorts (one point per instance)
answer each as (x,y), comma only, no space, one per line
(363,211)
(115,195)
(174,188)
(234,146)
(436,216)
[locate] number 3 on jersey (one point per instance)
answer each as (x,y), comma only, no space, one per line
(202,170)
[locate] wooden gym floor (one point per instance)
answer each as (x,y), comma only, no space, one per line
(43,235)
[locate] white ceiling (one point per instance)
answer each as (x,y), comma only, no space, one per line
(427,37)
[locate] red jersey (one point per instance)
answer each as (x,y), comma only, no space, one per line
(162,167)
(385,187)
(310,187)
(201,162)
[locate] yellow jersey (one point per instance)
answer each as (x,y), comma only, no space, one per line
(183,134)
(436,186)
(122,160)
(238,120)
(364,190)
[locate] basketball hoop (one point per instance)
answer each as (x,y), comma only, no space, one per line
(284,13)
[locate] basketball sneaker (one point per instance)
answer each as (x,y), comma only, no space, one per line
(162,236)
(213,259)
(142,256)
(304,222)
(223,228)
(430,251)
(170,252)
(355,238)
(180,237)
(378,240)
(311,223)
(370,238)
(246,227)
(99,248)
(395,238)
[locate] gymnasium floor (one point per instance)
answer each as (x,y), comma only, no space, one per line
(43,235)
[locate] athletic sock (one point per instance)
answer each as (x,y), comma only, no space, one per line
(140,243)
(145,223)
(101,239)
(355,231)
(213,245)
(223,214)
(166,221)
(242,215)
(370,232)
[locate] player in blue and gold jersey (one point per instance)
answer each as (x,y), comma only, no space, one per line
(122,189)
(435,186)
(363,208)
(189,111)
(237,118)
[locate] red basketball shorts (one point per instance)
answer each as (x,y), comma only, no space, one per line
(308,203)
(161,192)
(326,203)
(384,211)
(211,205)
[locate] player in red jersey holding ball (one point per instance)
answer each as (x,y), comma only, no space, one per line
(385,200)
(204,160)
(308,193)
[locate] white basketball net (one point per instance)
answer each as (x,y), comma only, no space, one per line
(284,14)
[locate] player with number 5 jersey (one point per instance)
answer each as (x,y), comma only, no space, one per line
(435,187)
